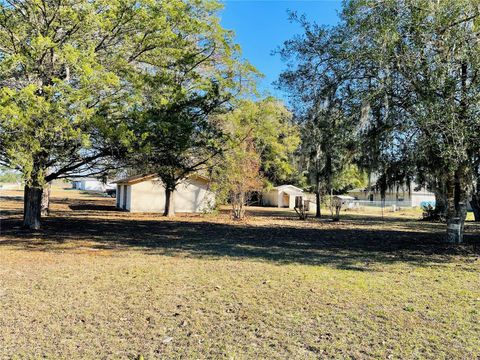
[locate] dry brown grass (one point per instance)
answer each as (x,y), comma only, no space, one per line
(97,283)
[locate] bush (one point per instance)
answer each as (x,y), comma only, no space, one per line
(431,213)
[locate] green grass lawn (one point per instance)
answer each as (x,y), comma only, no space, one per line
(96,284)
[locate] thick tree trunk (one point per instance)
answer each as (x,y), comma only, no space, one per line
(456,208)
(45,207)
(475,204)
(32,203)
(169,202)
(318,210)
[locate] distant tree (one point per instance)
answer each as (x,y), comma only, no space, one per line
(406,73)
(9,176)
(349,178)
(238,176)
(262,140)
(428,53)
(315,80)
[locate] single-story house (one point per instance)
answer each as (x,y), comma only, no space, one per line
(92,184)
(401,196)
(146,193)
(284,196)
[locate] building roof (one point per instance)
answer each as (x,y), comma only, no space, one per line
(135,179)
(344,197)
(287,187)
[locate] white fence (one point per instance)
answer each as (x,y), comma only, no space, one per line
(387,203)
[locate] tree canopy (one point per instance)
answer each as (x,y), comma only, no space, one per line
(404,75)
(72,73)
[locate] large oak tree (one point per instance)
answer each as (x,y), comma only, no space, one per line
(70,71)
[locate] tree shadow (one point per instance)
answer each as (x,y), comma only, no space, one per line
(344,246)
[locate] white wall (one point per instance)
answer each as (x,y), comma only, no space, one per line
(417,199)
(274,197)
(190,196)
(121,194)
(193,196)
(148,196)
(270,198)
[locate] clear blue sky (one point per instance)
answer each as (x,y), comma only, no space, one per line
(262,25)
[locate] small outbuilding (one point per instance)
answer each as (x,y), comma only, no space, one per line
(284,196)
(146,193)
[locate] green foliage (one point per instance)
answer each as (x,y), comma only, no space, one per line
(72,70)
(261,141)
(84,82)
(402,76)
(174,131)
(275,136)
(323,106)
(351,177)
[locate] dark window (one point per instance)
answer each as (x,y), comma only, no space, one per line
(298,202)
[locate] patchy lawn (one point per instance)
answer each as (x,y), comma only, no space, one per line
(97,283)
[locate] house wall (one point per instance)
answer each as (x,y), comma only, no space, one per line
(275,198)
(418,199)
(193,196)
(389,196)
(270,198)
(283,199)
(148,196)
(121,194)
(291,203)
(190,196)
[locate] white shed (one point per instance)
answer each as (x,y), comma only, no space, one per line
(146,193)
(284,196)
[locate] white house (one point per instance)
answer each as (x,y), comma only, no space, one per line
(90,184)
(400,196)
(284,196)
(146,193)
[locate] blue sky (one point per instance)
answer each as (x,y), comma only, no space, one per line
(262,25)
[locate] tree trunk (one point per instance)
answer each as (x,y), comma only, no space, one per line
(440,202)
(475,204)
(238,202)
(318,210)
(169,202)
(32,203)
(456,208)
(45,207)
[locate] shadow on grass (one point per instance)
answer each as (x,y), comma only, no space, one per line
(349,248)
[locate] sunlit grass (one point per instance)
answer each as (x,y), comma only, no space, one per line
(103,284)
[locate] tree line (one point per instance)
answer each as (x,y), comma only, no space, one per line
(158,86)
(394,88)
